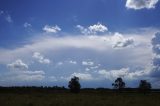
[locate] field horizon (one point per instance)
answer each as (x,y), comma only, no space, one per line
(37,96)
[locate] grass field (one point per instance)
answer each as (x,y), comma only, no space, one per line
(81,99)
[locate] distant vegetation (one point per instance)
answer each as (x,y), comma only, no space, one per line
(74,95)
(75,87)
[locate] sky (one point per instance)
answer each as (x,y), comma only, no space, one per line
(47,42)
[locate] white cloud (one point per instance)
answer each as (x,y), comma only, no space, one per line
(72,62)
(93,29)
(66,62)
(140,54)
(8,18)
(156,58)
(91,66)
(18,65)
(98,49)
(119,41)
(87,63)
(112,74)
(97,28)
(20,76)
(40,58)
(21,73)
(83,30)
(94,67)
(140,4)
(51,29)
(1,12)
(60,63)
(52,78)
(87,69)
(82,76)
(26,25)
(126,73)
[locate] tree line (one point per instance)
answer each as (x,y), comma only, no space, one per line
(118,84)
(75,87)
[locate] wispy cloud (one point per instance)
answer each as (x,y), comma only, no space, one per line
(6,16)
(1,12)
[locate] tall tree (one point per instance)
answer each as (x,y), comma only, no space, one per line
(74,85)
(144,86)
(119,83)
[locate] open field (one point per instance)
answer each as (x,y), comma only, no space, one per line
(84,98)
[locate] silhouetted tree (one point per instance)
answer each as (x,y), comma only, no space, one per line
(144,86)
(74,85)
(118,84)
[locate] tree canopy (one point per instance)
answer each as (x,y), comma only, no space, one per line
(118,83)
(74,85)
(144,86)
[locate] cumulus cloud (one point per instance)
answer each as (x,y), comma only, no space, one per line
(18,65)
(40,58)
(82,76)
(156,59)
(72,62)
(21,73)
(90,45)
(93,29)
(87,69)
(67,62)
(119,41)
(8,18)
(97,28)
(52,78)
(97,49)
(140,4)
(26,25)
(87,63)
(60,63)
(94,67)
(91,67)
(51,29)
(20,76)
(34,76)
(125,73)
(156,43)
(112,74)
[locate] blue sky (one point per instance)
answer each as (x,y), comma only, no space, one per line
(46,42)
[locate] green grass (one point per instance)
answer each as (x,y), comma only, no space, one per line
(81,99)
